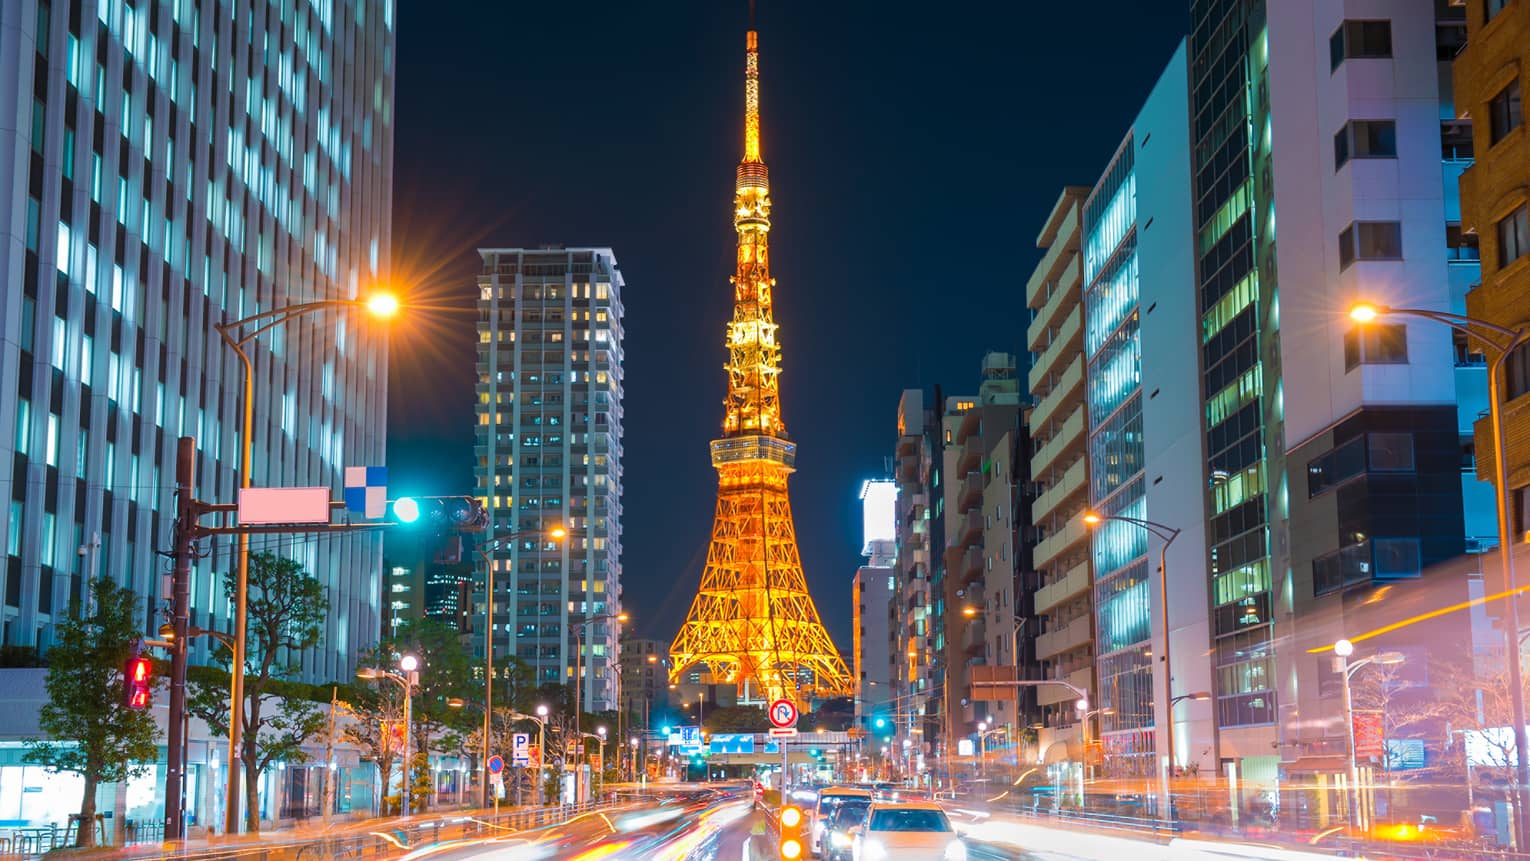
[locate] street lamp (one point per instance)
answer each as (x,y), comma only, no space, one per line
(406,680)
(1506,341)
(600,773)
(579,628)
(1342,651)
(380,305)
(487,551)
(1166,534)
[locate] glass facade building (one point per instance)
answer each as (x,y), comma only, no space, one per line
(1113,347)
(549,453)
(171,166)
(1234,220)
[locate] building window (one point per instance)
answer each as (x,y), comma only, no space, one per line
(1514,236)
(1374,344)
(1516,370)
(1344,567)
(1396,557)
(1370,240)
(1505,112)
(1359,40)
(1364,139)
(1390,452)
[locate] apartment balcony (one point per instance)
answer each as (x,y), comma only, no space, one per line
(1068,338)
(1071,636)
(1069,385)
(1052,694)
(1035,288)
(970,459)
(1070,483)
(1067,295)
(1071,584)
(971,493)
(1049,548)
(971,531)
(972,563)
(1067,440)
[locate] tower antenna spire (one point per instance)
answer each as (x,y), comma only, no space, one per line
(753,623)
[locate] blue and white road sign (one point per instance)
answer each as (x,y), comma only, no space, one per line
(520,749)
(366,490)
(731,743)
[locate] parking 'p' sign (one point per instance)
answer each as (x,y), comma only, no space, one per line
(783,713)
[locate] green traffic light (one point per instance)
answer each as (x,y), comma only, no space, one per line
(406,510)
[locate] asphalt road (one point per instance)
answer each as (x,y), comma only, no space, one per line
(727,830)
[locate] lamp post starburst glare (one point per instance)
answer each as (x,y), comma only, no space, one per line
(382,305)
(1166,534)
(1506,341)
(487,551)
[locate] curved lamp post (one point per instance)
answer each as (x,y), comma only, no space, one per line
(1167,534)
(578,628)
(1506,341)
(234,335)
(406,680)
(1342,650)
(487,551)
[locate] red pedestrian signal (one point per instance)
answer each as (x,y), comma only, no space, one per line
(137,682)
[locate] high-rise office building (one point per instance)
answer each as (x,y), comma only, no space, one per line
(1144,438)
(171,167)
(549,450)
(871,603)
(1332,450)
(1492,74)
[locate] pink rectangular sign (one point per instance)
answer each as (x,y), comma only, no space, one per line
(283,505)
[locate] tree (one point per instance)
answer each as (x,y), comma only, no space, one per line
(445,673)
(286,610)
(92,733)
(378,709)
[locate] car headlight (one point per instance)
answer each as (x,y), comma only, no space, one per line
(874,850)
(841,840)
(956,851)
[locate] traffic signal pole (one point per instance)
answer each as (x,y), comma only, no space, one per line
(187,531)
(180,617)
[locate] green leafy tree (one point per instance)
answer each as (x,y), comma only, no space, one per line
(378,708)
(445,674)
(92,733)
(286,612)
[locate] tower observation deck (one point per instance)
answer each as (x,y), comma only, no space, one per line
(753,623)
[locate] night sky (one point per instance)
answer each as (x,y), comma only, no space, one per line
(914,151)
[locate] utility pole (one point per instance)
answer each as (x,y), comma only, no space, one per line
(180,617)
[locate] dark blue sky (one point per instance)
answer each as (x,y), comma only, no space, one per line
(914,150)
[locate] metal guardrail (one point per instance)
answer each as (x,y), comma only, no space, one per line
(370,839)
(1170,830)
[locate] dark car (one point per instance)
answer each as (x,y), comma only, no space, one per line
(836,834)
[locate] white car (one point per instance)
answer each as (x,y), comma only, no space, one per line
(828,799)
(907,832)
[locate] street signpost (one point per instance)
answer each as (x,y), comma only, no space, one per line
(520,749)
(783,722)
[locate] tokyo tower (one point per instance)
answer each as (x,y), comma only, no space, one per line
(753,623)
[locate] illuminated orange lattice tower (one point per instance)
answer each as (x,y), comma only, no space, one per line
(753,622)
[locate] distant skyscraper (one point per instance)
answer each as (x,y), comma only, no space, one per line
(176,166)
(549,448)
(872,594)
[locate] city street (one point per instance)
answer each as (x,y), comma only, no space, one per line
(670,829)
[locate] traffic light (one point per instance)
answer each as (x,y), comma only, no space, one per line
(137,682)
(446,518)
(791,822)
